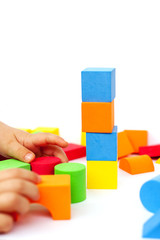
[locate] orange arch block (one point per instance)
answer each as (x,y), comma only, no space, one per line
(138,138)
(137,164)
(124,145)
(98,117)
(55,195)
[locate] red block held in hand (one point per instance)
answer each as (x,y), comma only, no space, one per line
(74,151)
(45,165)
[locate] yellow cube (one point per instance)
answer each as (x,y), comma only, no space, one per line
(26,129)
(102,174)
(83,138)
(47,129)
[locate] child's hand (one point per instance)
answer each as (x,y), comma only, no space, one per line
(17,187)
(24,146)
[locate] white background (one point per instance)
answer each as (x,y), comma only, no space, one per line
(44,46)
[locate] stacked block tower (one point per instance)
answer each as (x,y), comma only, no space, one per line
(98,94)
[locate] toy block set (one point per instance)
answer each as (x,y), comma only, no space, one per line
(65,183)
(98,94)
(62,183)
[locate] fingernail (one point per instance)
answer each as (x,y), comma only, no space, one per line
(29,157)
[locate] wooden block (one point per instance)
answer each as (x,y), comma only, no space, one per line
(98,117)
(102,146)
(13,163)
(102,174)
(152,151)
(124,146)
(150,194)
(83,138)
(137,138)
(74,151)
(137,164)
(151,228)
(98,84)
(77,171)
(47,129)
(45,165)
(55,195)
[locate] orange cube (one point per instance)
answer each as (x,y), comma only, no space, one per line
(98,117)
(138,138)
(55,195)
(124,145)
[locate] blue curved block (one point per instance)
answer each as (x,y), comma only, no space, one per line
(151,229)
(150,194)
(98,84)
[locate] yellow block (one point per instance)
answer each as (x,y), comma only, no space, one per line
(158,161)
(102,174)
(83,138)
(47,129)
(26,129)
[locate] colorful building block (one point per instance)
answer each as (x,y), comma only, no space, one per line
(102,174)
(44,165)
(124,145)
(83,138)
(47,129)
(36,132)
(158,161)
(102,146)
(137,164)
(151,228)
(98,117)
(55,195)
(152,151)
(137,138)
(26,129)
(13,163)
(98,84)
(77,171)
(150,194)
(74,151)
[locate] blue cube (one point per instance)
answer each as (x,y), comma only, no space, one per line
(101,146)
(98,84)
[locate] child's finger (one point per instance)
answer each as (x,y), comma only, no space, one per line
(55,151)
(18,151)
(6,223)
(20,186)
(19,173)
(43,139)
(13,202)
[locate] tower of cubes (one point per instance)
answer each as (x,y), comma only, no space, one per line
(98,93)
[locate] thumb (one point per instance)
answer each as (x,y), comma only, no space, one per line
(21,153)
